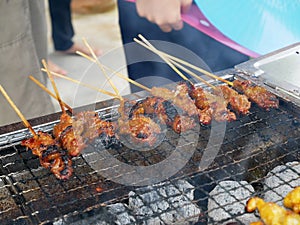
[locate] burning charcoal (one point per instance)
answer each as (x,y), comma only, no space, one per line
(82,222)
(122,214)
(100,216)
(227,201)
(164,203)
(281,180)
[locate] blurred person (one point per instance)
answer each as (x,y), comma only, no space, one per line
(161,20)
(62,28)
(23,44)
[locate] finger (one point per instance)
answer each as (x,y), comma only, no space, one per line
(178,25)
(166,28)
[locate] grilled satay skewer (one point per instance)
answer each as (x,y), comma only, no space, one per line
(173,120)
(138,126)
(216,107)
(44,146)
(259,95)
(88,124)
(238,102)
(67,132)
(64,131)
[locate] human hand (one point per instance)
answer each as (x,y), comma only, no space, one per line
(165,13)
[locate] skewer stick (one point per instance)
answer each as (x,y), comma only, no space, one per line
(162,56)
(193,74)
(49,92)
(25,122)
(103,67)
(100,66)
(54,86)
(150,47)
(84,84)
(173,58)
(198,69)
(128,79)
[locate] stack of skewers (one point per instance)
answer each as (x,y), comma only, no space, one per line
(180,109)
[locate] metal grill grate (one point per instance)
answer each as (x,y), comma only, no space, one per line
(253,146)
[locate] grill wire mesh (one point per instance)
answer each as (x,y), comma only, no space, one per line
(252,147)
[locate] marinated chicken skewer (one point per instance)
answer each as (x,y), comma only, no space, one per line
(216,107)
(117,126)
(211,106)
(271,213)
(75,133)
(137,126)
(181,99)
(44,146)
(239,103)
(63,131)
(257,94)
(166,113)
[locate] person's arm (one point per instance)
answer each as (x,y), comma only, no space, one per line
(165,13)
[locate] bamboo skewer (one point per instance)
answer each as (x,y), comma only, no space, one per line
(49,92)
(83,84)
(117,95)
(99,65)
(173,58)
(25,122)
(152,48)
(54,87)
(128,79)
(117,73)
(103,67)
(193,74)
(200,70)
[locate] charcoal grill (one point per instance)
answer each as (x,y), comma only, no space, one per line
(256,150)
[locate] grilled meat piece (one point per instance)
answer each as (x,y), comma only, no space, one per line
(166,113)
(182,123)
(211,105)
(259,95)
(239,103)
(58,161)
(50,154)
(75,133)
(140,128)
(69,138)
(40,143)
(179,97)
(271,213)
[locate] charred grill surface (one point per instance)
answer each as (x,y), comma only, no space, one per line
(252,146)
